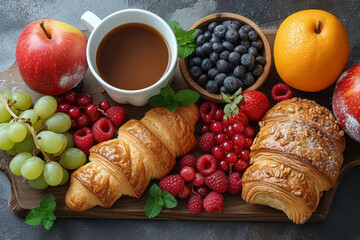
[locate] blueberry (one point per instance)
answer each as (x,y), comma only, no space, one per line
(257,44)
(253,51)
(258,70)
(250,68)
(233,26)
(198,32)
(212,72)
(240,49)
(220,78)
(207,47)
(234,58)
(222,65)
(196,61)
(207,35)
(231,68)
(236,22)
(239,71)
(228,46)
(247,28)
(200,40)
(223,89)
(212,86)
(214,39)
(249,79)
(217,47)
(214,56)
(242,34)
(231,84)
(202,80)
(212,26)
(195,72)
(206,64)
(241,83)
(260,60)
(252,35)
(224,55)
(199,52)
(247,60)
(231,35)
(245,43)
(219,31)
(226,23)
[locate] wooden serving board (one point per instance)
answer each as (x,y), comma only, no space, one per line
(23,197)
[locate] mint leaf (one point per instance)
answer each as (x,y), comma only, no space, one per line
(152,208)
(160,201)
(186,97)
(43,214)
(190,35)
(153,205)
(184,51)
(48,224)
(167,91)
(155,191)
(172,105)
(177,29)
(169,200)
(157,101)
(35,216)
(48,203)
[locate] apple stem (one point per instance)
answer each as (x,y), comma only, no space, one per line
(317,30)
(43,28)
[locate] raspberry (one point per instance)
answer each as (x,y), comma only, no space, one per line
(206,164)
(217,181)
(187,173)
(174,184)
(234,183)
(199,180)
(185,193)
(104,105)
(281,92)
(208,108)
(84,99)
(195,204)
(202,191)
(214,202)
(206,142)
(70,97)
(84,139)
(116,114)
(187,160)
(102,130)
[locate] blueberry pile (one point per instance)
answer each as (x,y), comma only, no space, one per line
(228,57)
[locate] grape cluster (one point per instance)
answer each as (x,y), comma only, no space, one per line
(38,139)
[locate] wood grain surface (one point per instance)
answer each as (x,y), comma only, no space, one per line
(23,197)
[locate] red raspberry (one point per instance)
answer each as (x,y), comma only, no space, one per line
(187,160)
(281,92)
(206,164)
(70,97)
(199,180)
(208,109)
(174,184)
(206,142)
(217,181)
(195,204)
(187,173)
(202,191)
(104,105)
(84,99)
(103,130)
(249,131)
(214,202)
(185,193)
(84,139)
(234,183)
(116,114)
(74,112)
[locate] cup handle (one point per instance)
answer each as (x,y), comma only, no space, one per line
(90,20)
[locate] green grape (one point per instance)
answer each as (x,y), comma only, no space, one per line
(21,100)
(12,151)
(64,144)
(39,183)
(5,142)
(50,142)
(72,158)
(27,145)
(53,173)
(38,125)
(45,107)
(6,94)
(17,162)
(29,115)
(65,176)
(4,114)
(70,140)
(58,122)
(32,168)
(16,131)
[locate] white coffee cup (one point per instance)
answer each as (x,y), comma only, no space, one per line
(99,28)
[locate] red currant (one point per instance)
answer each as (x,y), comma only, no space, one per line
(237,149)
(216,127)
(83,120)
(238,127)
(64,107)
(245,154)
(70,97)
(219,114)
(202,191)
(205,128)
(231,157)
(224,166)
(238,140)
(84,99)
(104,105)
(187,173)
(199,180)
(74,124)
(60,99)
(220,138)
(249,131)
(185,193)
(225,122)
(240,165)
(230,131)
(208,119)
(217,152)
(227,146)
(94,117)
(91,109)
(74,112)
(248,142)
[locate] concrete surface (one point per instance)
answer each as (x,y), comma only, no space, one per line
(343,219)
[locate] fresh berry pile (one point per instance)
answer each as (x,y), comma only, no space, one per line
(228,56)
(281,92)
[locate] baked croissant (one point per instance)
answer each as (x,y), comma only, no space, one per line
(295,157)
(143,150)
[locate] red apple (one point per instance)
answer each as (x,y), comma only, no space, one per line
(346,101)
(51,56)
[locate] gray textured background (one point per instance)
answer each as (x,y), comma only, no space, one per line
(343,219)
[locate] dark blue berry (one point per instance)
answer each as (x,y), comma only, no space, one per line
(249,79)
(257,44)
(228,46)
(212,26)
(222,65)
(219,31)
(220,78)
(245,43)
(212,72)
(198,32)
(233,26)
(226,23)
(207,48)
(260,60)
(200,40)
(195,72)
(252,35)
(250,68)
(240,49)
(247,28)
(234,58)
(196,61)
(231,68)
(214,56)
(241,83)
(253,51)
(242,34)
(239,71)
(258,70)
(231,35)
(212,86)
(217,47)
(224,55)
(231,84)
(206,64)
(247,60)
(214,39)
(202,80)
(223,89)
(207,35)
(199,52)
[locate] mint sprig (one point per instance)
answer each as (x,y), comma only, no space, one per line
(44,214)
(157,200)
(167,98)
(232,103)
(185,40)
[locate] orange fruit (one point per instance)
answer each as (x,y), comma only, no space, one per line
(311,50)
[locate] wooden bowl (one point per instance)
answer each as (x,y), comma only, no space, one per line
(220,17)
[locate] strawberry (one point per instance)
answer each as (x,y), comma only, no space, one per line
(254,105)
